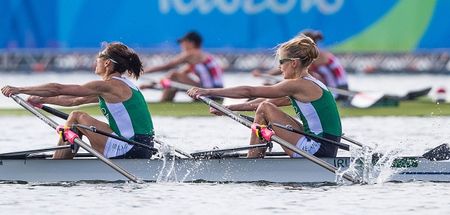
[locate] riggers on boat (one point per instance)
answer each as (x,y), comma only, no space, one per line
(39,168)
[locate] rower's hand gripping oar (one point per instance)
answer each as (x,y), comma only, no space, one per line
(266,133)
(72,137)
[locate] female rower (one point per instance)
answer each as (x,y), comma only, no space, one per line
(119,99)
(205,68)
(310,98)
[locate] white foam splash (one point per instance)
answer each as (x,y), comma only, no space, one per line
(371,165)
(167,172)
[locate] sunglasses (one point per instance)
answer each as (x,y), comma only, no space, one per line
(284,60)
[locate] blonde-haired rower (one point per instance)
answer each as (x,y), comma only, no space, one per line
(312,101)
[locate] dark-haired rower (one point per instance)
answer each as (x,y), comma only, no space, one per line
(120,101)
(199,68)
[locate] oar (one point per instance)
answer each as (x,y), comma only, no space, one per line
(28,152)
(268,134)
(72,137)
(234,149)
(63,115)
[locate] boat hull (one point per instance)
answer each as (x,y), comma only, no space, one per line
(282,170)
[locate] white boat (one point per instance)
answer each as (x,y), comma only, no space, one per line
(270,169)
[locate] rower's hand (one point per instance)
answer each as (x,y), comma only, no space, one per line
(36,101)
(8,91)
(195,92)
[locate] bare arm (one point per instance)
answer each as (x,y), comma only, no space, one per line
(272,72)
(67,101)
(252,105)
(94,88)
(282,89)
(169,65)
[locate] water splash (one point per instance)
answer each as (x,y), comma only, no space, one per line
(371,165)
(167,172)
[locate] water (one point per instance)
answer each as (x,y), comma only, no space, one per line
(412,135)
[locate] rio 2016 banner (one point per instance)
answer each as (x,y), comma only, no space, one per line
(347,25)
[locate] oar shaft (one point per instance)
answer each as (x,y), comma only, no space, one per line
(352,141)
(55,112)
(28,152)
(236,149)
(78,141)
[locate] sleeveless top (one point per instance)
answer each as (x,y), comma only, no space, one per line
(130,117)
(319,117)
(209,73)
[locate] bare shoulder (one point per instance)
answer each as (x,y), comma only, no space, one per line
(101,85)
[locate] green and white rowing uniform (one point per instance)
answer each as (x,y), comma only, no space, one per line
(319,117)
(129,119)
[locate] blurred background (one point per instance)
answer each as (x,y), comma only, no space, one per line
(368,36)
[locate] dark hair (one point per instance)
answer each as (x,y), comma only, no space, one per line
(193,37)
(123,58)
(314,35)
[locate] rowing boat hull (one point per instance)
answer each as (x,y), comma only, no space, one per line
(215,170)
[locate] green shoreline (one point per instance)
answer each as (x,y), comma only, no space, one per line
(406,108)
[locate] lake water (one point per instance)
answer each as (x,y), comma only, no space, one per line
(407,135)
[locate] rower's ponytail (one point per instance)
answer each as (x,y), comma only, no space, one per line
(134,65)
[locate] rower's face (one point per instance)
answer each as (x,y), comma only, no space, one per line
(285,66)
(100,66)
(185,45)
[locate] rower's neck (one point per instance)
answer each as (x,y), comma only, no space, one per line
(303,73)
(110,76)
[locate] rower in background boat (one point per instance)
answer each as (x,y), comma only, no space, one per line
(326,68)
(312,101)
(119,99)
(195,62)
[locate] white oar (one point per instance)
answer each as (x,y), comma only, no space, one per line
(270,137)
(73,138)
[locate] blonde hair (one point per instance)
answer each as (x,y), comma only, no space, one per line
(301,47)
